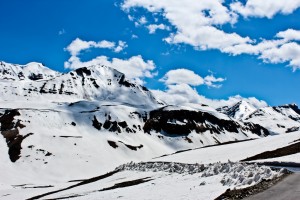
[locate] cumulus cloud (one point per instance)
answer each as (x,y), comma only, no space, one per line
(289,35)
(289,52)
(79,45)
(199,23)
(265,8)
(182,94)
(179,89)
(282,49)
(195,21)
(178,94)
(153,27)
(188,77)
(182,76)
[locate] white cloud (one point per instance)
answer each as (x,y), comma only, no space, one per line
(79,45)
(195,21)
(61,32)
(211,80)
(199,23)
(188,77)
(134,36)
(121,46)
(289,52)
(135,68)
(289,34)
(140,21)
(283,49)
(181,94)
(182,76)
(153,27)
(265,8)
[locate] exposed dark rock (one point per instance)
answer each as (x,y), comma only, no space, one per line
(95,84)
(9,130)
(48,154)
(73,124)
(123,124)
(182,122)
(61,88)
(125,82)
(83,70)
(134,148)
(69,136)
(188,140)
(292,129)
(127,183)
(115,127)
(255,128)
(107,124)
(96,123)
(42,90)
(112,144)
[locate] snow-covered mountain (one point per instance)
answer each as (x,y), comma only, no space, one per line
(89,83)
(239,110)
(30,71)
(277,119)
(95,119)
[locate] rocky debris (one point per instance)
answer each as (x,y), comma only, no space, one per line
(10,131)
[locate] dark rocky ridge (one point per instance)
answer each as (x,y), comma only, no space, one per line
(161,121)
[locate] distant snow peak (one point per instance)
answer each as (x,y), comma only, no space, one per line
(239,111)
(31,71)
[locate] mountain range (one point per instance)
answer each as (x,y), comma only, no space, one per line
(65,126)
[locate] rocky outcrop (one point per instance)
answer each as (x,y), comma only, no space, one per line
(10,131)
(183,122)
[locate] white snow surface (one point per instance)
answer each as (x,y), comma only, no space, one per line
(23,72)
(233,152)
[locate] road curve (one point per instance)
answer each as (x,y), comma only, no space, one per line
(287,189)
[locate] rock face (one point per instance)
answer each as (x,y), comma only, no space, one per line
(10,131)
(183,122)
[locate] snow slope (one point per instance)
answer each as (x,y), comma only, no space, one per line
(232,152)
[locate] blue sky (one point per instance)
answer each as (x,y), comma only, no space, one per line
(219,39)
